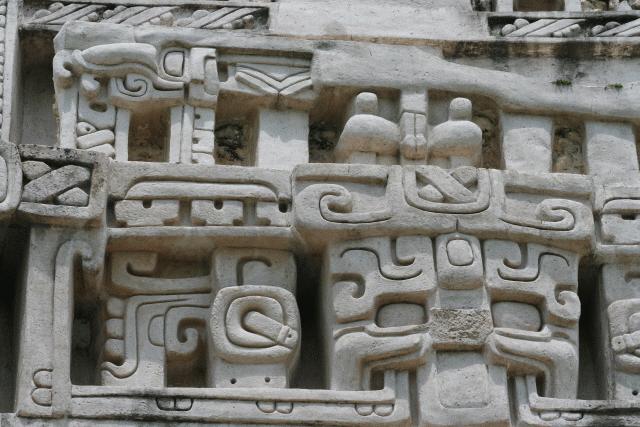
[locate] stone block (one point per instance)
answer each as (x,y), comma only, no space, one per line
(527,142)
(282,139)
(610,149)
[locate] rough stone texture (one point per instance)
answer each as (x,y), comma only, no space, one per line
(336,213)
(568,155)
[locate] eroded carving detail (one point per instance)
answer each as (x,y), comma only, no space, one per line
(412,283)
(62,187)
(151,321)
(623,323)
(379,290)
(107,95)
(255,335)
(540,343)
(463,190)
(228,18)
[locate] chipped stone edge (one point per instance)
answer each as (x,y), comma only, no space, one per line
(91,215)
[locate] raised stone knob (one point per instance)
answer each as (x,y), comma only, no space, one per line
(458,141)
(366,133)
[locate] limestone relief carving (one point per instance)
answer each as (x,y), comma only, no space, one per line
(413,125)
(10,179)
(459,262)
(46,384)
(303,213)
(349,202)
(534,209)
(143,333)
(273,80)
(42,393)
(3,29)
(414,261)
(570,27)
(158,326)
(462,190)
(541,284)
(228,18)
(255,335)
(368,138)
(623,316)
(63,184)
(617,208)
(105,92)
(620,297)
(150,321)
(535,273)
(240,201)
(457,141)
(543,28)
(59,191)
(379,292)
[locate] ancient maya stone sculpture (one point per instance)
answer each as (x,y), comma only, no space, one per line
(320,212)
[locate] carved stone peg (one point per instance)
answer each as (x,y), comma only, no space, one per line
(367,137)
(458,141)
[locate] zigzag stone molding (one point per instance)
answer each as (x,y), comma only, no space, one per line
(207,17)
(572,26)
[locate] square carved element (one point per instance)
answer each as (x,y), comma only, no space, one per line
(62,186)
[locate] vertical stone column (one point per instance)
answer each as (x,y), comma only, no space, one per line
(278,94)
(44,369)
(457,386)
(413,126)
(34,395)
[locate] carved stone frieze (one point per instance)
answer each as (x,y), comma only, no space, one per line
(303,213)
(436,200)
(572,26)
(218,17)
(63,187)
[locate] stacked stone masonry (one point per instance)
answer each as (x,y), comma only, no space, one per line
(320,212)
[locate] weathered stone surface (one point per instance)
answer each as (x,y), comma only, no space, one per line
(54,183)
(320,213)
